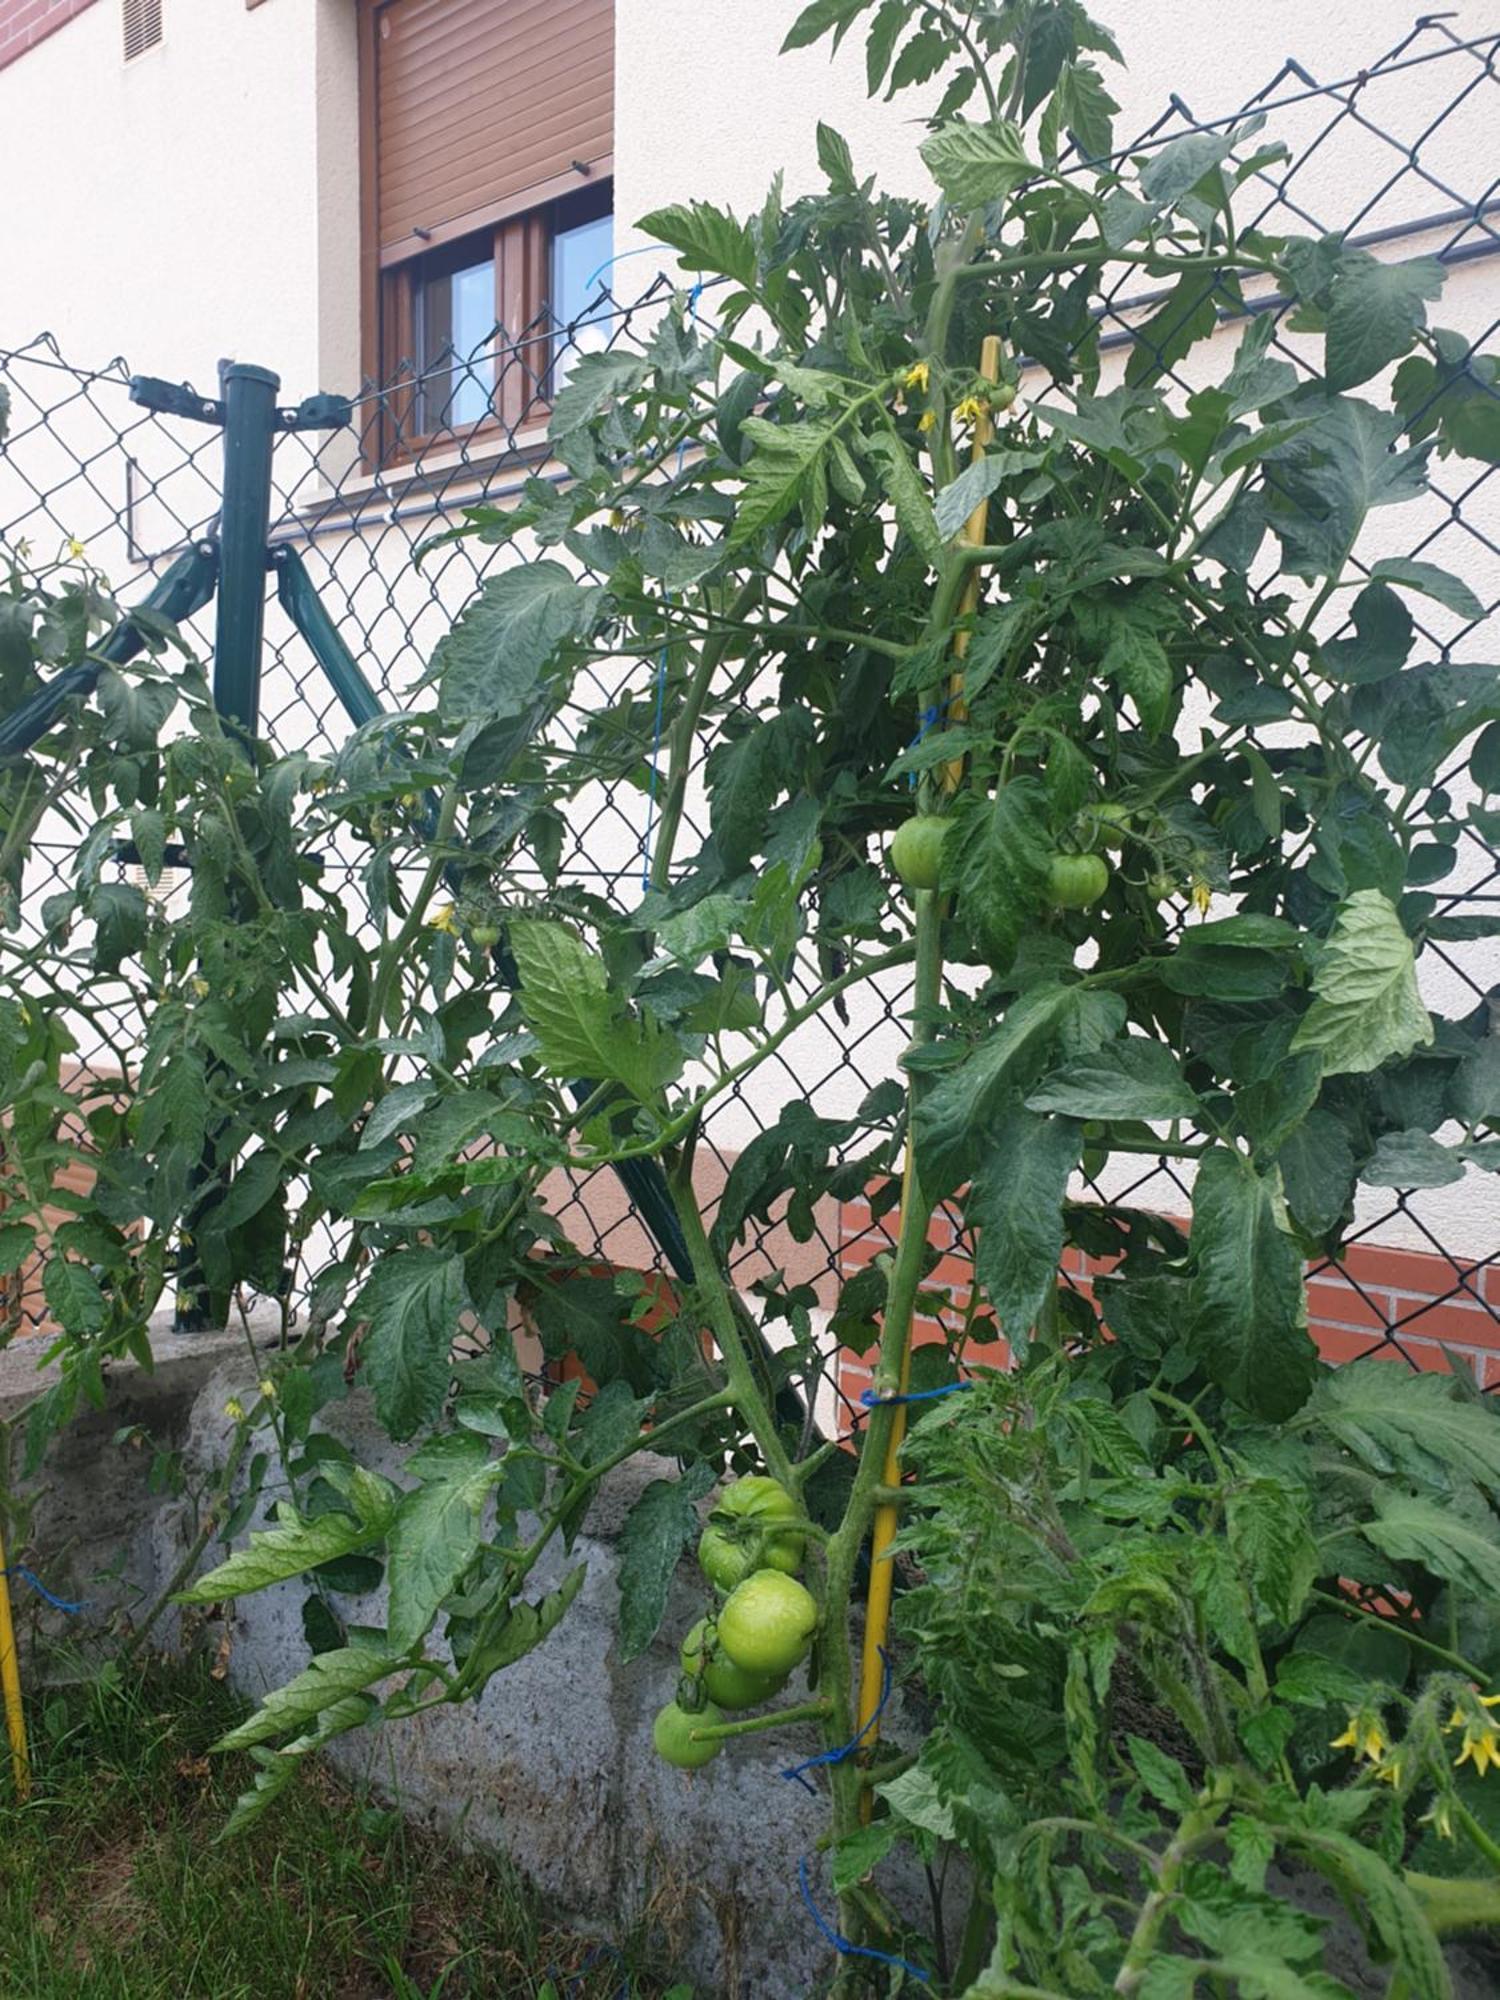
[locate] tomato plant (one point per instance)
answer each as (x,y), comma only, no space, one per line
(872,618)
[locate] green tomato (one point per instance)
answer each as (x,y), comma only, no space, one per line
(1002,396)
(1114,824)
(741,1533)
(1078,880)
(725,1684)
(1159,887)
(915,849)
(672,1733)
(486,936)
(768,1622)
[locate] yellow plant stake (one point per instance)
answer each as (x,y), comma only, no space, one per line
(10,1688)
(883,1531)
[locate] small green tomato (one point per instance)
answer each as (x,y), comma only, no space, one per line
(1077,880)
(672,1733)
(915,850)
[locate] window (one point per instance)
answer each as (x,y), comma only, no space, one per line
(486,135)
(140,22)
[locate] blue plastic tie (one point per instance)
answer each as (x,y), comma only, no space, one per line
(844,1946)
(795,1771)
(29,1577)
(927,722)
(873,1402)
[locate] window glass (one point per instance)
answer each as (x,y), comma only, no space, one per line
(455,344)
(582,241)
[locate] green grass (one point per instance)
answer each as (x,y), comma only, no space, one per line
(113,1885)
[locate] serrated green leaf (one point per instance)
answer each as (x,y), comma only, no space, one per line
(295,1546)
(436,1532)
(961,496)
(1162,1775)
(594,381)
(1412,1426)
(1411,1159)
(1250,1304)
(657,1530)
(1131,1078)
(1015,1203)
(413,1300)
(1367,1007)
(1375,312)
(329,1679)
(493,659)
(73,1295)
(784,471)
(1439,584)
(977,164)
(17,1243)
(1136,661)
(705,238)
(1410,1528)
(583,1029)
(904,488)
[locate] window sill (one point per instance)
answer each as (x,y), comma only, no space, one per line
(424,484)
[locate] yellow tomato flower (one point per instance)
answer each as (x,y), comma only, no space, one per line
(1365,1736)
(76,549)
(1481,1747)
(927,420)
(1389,1773)
(917,376)
(200,989)
(234,1408)
(1202,895)
(443,919)
(268,1389)
(970,410)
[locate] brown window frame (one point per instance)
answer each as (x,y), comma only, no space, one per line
(519,234)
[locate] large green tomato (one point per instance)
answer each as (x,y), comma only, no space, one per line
(1078,880)
(725,1684)
(766,1626)
(672,1733)
(1113,823)
(741,1533)
(915,850)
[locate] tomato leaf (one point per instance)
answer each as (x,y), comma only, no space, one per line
(436,1532)
(657,1530)
(1015,1202)
(1367,1007)
(413,1300)
(1247,1288)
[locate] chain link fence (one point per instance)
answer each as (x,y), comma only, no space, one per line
(1391,157)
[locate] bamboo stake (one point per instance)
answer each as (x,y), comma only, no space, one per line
(10,1689)
(883,1531)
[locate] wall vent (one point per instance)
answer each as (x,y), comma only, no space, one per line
(142,25)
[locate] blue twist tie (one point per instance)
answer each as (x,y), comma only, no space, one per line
(843,1945)
(873,1402)
(29,1577)
(928,721)
(795,1771)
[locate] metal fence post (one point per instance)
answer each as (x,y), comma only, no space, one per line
(249,396)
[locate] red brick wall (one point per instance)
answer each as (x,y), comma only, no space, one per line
(1377,1301)
(24,23)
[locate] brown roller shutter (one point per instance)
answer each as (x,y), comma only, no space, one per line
(484,108)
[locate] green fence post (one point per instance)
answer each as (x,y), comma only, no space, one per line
(249,396)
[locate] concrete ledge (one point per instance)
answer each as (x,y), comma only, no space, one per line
(88,1517)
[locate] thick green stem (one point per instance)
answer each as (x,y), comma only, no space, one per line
(781,1718)
(1194,1827)
(744,1387)
(394,953)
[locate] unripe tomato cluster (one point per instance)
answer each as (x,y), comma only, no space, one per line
(744,1651)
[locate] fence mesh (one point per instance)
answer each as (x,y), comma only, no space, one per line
(1392,157)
